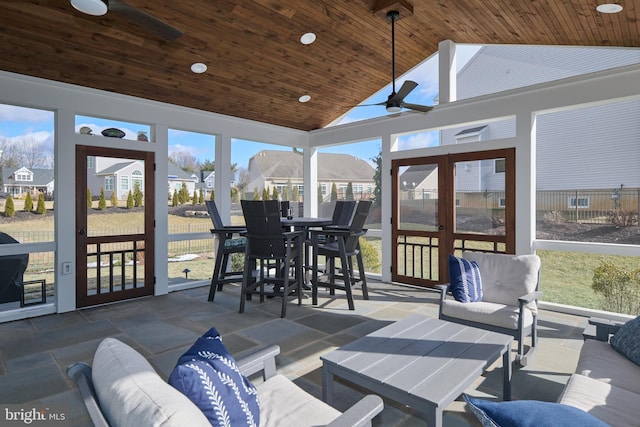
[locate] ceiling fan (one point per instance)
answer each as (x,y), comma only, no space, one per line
(133,14)
(395,102)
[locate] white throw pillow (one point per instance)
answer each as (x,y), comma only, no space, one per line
(131,393)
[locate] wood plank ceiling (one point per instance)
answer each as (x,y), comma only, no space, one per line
(257,67)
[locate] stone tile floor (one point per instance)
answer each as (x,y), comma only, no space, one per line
(34,353)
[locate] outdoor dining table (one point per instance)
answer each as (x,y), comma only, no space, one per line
(304,223)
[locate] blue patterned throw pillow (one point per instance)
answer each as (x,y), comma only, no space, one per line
(529,413)
(627,340)
(210,378)
(465,282)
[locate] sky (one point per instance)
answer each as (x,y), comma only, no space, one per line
(17,122)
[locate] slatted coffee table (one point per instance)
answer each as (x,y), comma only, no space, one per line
(420,362)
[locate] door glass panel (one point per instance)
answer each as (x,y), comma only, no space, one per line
(419,197)
(480,198)
(115,188)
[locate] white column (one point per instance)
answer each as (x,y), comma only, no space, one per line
(310,165)
(447,72)
(389,144)
(65,209)
(222,184)
(525,182)
(160,137)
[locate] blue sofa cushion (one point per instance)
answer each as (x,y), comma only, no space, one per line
(210,378)
(529,413)
(626,340)
(465,282)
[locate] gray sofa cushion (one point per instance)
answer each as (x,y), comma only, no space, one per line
(600,361)
(505,278)
(613,405)
(300,408)
(627,340)
(131,393)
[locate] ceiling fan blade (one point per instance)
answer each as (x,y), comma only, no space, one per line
(416,107)
(406,88)
(144,20)
(367,105)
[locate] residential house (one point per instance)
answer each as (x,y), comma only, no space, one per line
(573,160)
(16,181)
(206,182)
(279,169)
(177,178)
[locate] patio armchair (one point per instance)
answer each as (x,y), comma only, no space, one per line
(227,245)
(122,388)
(508,305)
(341,243)
(269,248)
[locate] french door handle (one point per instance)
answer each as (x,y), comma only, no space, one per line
(441,227)
(81,232)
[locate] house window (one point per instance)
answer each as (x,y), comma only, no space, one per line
(324,189)
(358,189)
(499,166)
(136,177)
(578,202)
(209,184)
(502,202)
(457,202)
(301,190)
(24,176)
(124,183)
(90,162)
(108,183)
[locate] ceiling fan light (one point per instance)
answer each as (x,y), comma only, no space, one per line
(304,98)
(609,8)
(394,109)
(91,7)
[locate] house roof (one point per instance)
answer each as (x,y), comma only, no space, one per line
(284,165)
(175,172)
(417,174)
(257,67)
(41,177)
(117,167)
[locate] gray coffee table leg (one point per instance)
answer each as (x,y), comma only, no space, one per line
(327,384)
(506,374)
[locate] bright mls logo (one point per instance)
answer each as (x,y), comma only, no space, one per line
(20,415)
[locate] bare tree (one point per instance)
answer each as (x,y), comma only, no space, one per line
(32,153)
(185,161)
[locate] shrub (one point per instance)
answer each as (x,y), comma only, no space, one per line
(349,192)
(237,262)
(622,218)
(130,200)
(619,287)
(137,195)
(102,201)
(213,194)
(9,209)
(194,198)
(553,217)
(114,199)
(334,192)
(41,209)
(28,203)
(201,197)
(89,199)
(370,256)
(175,200)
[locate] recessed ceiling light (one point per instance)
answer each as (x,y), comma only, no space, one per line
(198,67)
(609,8)
(304,98)
(307,38)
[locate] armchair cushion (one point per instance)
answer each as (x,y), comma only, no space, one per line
(505,278)
(500,315)
(209,376)
(627,340)
(283,403)
(598,361)
(465,282)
